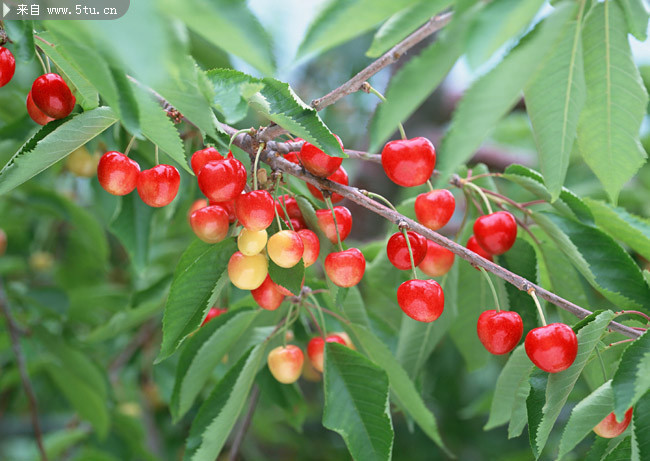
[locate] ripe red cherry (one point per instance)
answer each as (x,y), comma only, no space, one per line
(437,261)
(35,113)
(229,206)
(409,162)
(312,246)
(292,157)
(53,96)
(196,205)
(499,332)
(285,363)
(315,348)
(318,162)
(267,295)
(496,232)
(255,210)
(210,223)
(201,157)
(434,209)
(7,66)
(345,268)
(553,347)
(422,300)
(343,221)
(117,173)
(398,252)
(472,245)
(609,427)
(213,313)
(340,176)
(222,180)
(290,203)
(297,224)
(158,186)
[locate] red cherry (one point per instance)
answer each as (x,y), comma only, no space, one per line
(552,348)
(117,173)
(340,176)
(201,157)
(496,232)
(345,268)
(343,221)
(315,348)
(297,223)
(210,223)
(35,113)
(318,162)
(437,261)
(609,427)
(158,186)
(398,252)
(290,203)
(53,96)
(267,295)
(229,206)
(422,300)
(292,157)
(499,332)
(196,205)
(7,66)
(213,313)
(222,180)
(434,209)
(409,162)
(312,246)
(285,363)
(255,210)
(472,245)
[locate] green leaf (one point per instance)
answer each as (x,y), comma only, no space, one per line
(636,15)
(229,87)
(357,403)
(401,24)
(203,352)
(632,378)
(218,414)
(132,226)
(585,415)
(513,380)
(68,136)
(403,388)
(354,308)
(198,279)
(534,405)
(519,416)
(630,229)
(122,321)
(22,36)
(608,129)
(641,422)
(602,261)
(522,261)
(622,452)
(290,278)
(499,22)
(554,100)
(342,20)
(287,397)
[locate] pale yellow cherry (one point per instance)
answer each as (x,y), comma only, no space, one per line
(285,363)
(247,272)
(285,248)
(251,242)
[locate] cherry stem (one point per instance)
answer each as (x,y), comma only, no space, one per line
(645,316)
(313,318)
(232,138)
(481,193)
(286,325)
(380,197)
(275,199)
(286,213)
(532,202)
(531,292)
(408,245)
(128,147)
(430,185)
(602,364)
(369,89)
(41,60)
(492,288)
(49,68)
(255,164)
(328,201)
(506,200)
(320,312)
(622,342)
(156,155)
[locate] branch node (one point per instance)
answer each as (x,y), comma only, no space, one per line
(403,225)
(365,87)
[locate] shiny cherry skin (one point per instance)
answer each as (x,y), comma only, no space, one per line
(290,203)
(552,348)
(292,157)
(409,162)
(196,205)
(52,96)
(255,210)
(7,66)
(496,232)
(343,222)
(434,209)
(213,313)
(202,157)
(159,185)
(222,180)
(499,332)
(318,162)
(312,246)
(210,223)
(340,176)
(345,268)
(609,427)
(285,248)
(267,295)
(247,272)
(35,113)
(422,300)
(117,173)
(437,261)
(472,245)
(285,363)
(297,224)
(229,206)
(251,242)
(316,346)
(398,251)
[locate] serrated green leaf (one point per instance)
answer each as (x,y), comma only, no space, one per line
(608,129)
(519,415)
(68,136)
(622,452)
(22,38)
(357,403)
(290,278)
(554,100)
(632,378)
(534,405)
(132,226)
(636,15)
(641,422)
(203,351)
(229,87)
(522,261)
(198,279)
(287,397)
(124,320)
(354,308)
(495,93)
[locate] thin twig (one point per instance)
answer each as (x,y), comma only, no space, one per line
(246,422)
